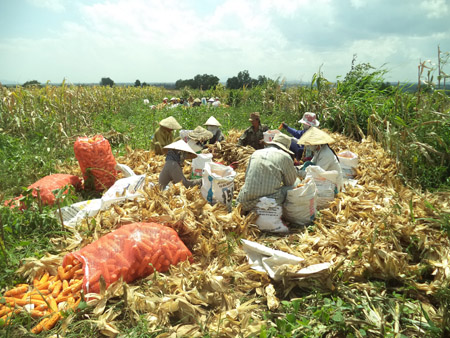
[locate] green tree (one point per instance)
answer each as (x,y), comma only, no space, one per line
(32,83)
(106,81)
(137,83)
(204,82)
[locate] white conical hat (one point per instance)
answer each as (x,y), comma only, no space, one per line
(182,146)
(315,136)
(170,123)
(212,122)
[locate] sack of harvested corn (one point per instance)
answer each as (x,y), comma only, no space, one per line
(326,184)
(300,205)
(97,162)
(198,164)
(133,251)
(269,216)
(218,183)
(349,163)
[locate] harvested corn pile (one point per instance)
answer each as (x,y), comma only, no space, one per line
(376,229)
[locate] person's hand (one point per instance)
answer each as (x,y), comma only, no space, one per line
(284,125)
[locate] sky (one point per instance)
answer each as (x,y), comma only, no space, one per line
(82,41)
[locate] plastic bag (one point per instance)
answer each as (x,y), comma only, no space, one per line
(218,183)
(198,164)
(269,218)
(133,251)
(47,184)
(326,184)
(349,163)
(300,205)
(96,161)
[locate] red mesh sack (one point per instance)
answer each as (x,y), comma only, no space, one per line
(133,251)
(96,161)
(49,183)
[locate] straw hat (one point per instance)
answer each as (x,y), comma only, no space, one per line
(170,123)
(181,146)
(212,122)
(283,141)
(254,116)
(211,99)
(197,100)
(200,134)
(309,119)
(315,136)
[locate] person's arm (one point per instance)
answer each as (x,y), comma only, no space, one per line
(289,172)
(178,176)
(294,132)
(243,139)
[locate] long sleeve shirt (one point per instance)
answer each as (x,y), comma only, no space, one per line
(270,171)
(297,149)
(250,137)
(172,172)
(162,138)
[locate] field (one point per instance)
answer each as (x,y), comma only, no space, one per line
(387,239)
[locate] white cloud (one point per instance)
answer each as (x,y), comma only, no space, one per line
(435,8)
(54,5)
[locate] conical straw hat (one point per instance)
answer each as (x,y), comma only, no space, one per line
(212,122)
(182,146)
(170,123)
(315,136)
(200,134)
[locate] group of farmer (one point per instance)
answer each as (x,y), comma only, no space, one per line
(190,102)
(273,169)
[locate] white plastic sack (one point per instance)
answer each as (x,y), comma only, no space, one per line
(198,164)
(326,184)
(270,134)
(269,218)
(265,259)
(123,189)
(301,205)
(126,170)
(218,183)
(349,163)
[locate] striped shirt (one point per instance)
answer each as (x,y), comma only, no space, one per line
(270,173)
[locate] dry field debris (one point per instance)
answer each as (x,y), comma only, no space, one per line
(378,228)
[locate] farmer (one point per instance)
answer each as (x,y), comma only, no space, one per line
(254,135)
(270,173)
(308,120)
(198,138)
(172,171)
(317,141)
(197,102)
(163,135)
(213,126)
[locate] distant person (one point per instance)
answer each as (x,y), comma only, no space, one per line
(197,102)
(216,103)
(214,127)
(254,135)
(164,134)
(172,171)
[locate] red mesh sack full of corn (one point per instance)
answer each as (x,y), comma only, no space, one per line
(133,251)
(96,161)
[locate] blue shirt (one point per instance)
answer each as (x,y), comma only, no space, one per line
(297,149)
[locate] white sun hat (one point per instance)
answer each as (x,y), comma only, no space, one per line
(181,146)
(283,141)
(212,121)
(309,119)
